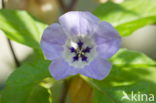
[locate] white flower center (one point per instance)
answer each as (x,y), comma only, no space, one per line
(79,51)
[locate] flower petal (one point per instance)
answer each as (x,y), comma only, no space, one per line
(52,41)
(98,69)
(107,40)
(76,22)
(60,69)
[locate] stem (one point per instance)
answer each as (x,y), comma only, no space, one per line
(64,91)
(13,53)
(62,5)
(3,3)
(69,7)
(72,5)
(50,95)
(10,44)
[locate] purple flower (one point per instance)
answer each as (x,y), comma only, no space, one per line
(80,43)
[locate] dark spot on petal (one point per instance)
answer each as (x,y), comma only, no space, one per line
(72,50)
(86,50)
(80,44)
(76,58)
(84,58)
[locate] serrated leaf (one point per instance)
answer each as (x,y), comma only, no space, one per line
(24,83)
(21,27)
(129,15)
(126,77)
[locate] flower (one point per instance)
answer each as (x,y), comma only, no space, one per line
(80,43)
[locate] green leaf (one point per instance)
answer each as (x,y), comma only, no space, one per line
(129,15)
(38,95)
(126,57)
(127,76)
(23,84)
(21,27)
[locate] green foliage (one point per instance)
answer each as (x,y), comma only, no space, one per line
(129,15)
(132,71)
(38,95)
(127,57)
(23,84)
(21,27)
